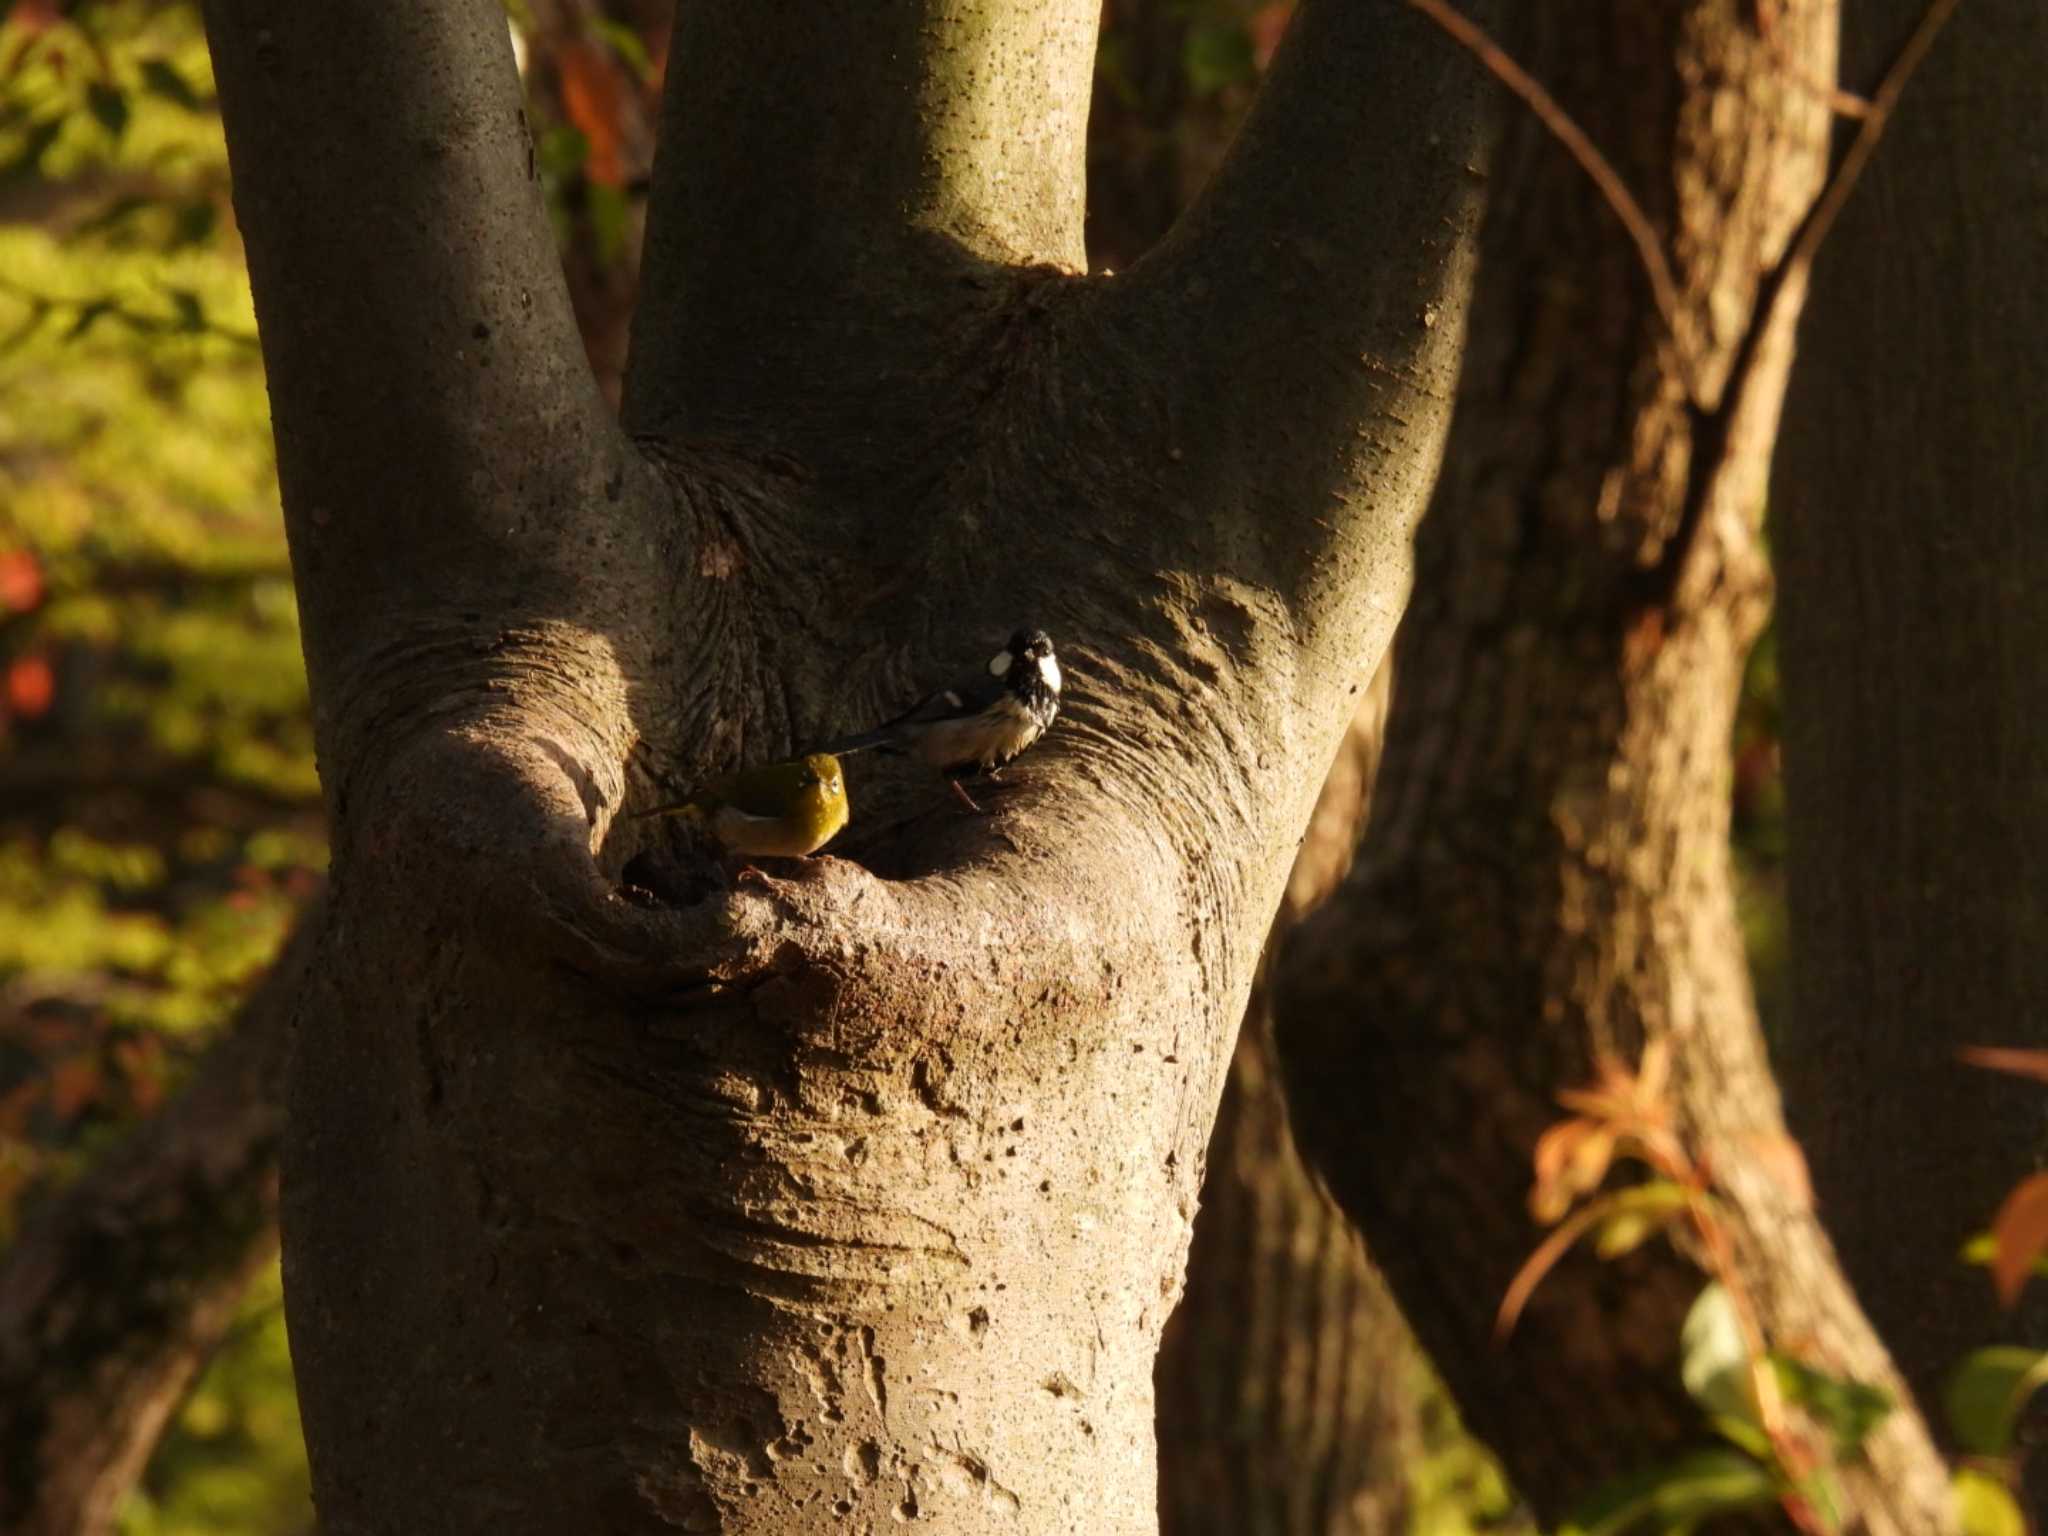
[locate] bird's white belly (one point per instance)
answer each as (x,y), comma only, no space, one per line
(985,740)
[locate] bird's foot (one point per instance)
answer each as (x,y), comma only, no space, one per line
(965,798)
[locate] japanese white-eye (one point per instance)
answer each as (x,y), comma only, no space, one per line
(774,810)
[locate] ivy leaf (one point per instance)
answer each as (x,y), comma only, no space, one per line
(1984,1506)
(1986,1392)
(1714,1357)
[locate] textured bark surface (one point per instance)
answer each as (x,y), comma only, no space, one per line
(1286,1401)
(1545,875)
(115,1294)
(1910,523)
(861,1194)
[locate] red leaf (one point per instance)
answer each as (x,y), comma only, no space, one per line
(2020,1232)
(31,685)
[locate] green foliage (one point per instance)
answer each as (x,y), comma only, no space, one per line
(159,822)
(224,1465)
(1986,1392)
(1678,1498)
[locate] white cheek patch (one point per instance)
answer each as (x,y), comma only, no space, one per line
(999,664)
(1050,671)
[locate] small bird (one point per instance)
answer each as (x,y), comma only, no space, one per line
(981,721)
(776,810)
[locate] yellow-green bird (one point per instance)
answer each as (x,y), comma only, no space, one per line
(776,810)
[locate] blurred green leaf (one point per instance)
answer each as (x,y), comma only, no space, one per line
(1638,1213)
(194,223)
(1850,1410)
(108,106)
(191,312)
(627,44)
(1218,54)
(1676,1499)
(35,144)
(88,316)
(160,77)
(1985,1393)
(1983,1248)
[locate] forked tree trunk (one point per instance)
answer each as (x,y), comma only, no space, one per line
(1911,527)
(1546,871)
(859,1194)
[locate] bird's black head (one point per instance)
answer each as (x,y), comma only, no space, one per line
(1035,643)
(1026,664)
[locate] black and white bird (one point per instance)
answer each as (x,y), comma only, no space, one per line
(981,721)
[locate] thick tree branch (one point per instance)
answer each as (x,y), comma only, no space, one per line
(115,1294)
(829,174)
(422,356)
(1326,267)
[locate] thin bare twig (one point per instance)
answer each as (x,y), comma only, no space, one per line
(1778,296)
(1656,265)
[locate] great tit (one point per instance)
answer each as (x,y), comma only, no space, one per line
(981,721)
(775,810)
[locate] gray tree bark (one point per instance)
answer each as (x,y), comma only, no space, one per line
(1287,1395)
(1545,876)
(1910,527)
(860,1195)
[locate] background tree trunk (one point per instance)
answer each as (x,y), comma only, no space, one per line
(115,1294)
(1911,534)
(1546,872)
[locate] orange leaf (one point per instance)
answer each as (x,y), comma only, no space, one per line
(1268,25)
(1571,1159)
(591,98)
(2020,1232)
(2032,1064)
(74,1083)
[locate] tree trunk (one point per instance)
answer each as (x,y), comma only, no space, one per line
(1911,532)
(116,1293)
(1545,876)
(1286,1402)
(858,1194)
